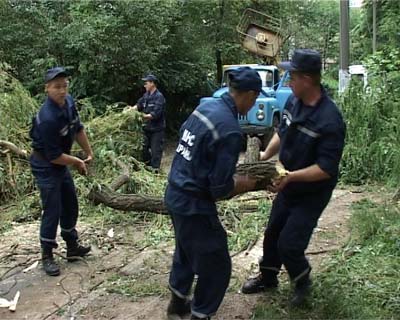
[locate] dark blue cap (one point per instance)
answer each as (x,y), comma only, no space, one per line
(245,79)
(54,73)
(303,60)
(150,77)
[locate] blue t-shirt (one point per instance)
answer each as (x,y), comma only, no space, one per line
(205,160)
(54,129)
(311,135)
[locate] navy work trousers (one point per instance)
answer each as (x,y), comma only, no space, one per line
(59,203)
(153,143)
(201,248)
(288,233)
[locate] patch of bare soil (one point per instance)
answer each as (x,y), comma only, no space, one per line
(82,292)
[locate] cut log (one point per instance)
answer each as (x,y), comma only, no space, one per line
(253,150)
(264,172)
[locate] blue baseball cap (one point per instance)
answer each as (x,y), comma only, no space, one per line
(303,60)
(150,77)
(54,73)
(245,79)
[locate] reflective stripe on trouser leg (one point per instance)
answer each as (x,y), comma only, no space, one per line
(69,210)
(295,236)
(302,275)
(182,275)
(270,264)
(177,293)
(51,203)
(200,315)
(203,244)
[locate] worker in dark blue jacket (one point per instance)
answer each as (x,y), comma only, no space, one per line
(201,173)
(152,105)
(310,142)
(54,129)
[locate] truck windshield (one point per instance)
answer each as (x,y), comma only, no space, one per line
(266,76)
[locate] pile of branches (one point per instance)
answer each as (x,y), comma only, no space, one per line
(264,172)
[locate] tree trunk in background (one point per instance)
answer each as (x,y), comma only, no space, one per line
(218,58)
(219,66)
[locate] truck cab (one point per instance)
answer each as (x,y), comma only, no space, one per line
(266,113)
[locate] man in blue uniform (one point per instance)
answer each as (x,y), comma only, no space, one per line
(54,129)
(201,173)
(310,142)
(152,104)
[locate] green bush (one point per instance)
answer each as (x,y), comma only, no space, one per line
(16,111)
(372,151)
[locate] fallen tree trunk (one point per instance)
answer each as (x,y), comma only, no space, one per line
(127,202)
(264,172)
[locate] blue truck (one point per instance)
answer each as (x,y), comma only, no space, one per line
(266,113)
(261,35)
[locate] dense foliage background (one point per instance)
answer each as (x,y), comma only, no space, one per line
(109,45)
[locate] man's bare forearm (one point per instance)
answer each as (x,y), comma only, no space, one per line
(272,148)
(309,174)
(66,160)
(83,141)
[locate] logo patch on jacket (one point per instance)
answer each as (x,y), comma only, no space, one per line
(187,141)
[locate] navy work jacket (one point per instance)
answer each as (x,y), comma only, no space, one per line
(54,129)
(205,160)
(153,104)
(311,135)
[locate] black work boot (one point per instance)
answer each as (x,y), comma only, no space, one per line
(49,265)
(177,307)
(301,291)
(75,250)
(259,284)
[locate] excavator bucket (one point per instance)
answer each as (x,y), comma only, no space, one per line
(260,33)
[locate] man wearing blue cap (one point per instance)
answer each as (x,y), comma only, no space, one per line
(152,104)
(54,129)
(202,172)
(310,142)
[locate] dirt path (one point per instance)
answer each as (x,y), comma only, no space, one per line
(83,289)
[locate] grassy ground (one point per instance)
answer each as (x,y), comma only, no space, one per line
(361,281)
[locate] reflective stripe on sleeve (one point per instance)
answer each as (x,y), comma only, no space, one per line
(308,132)
(208,123)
